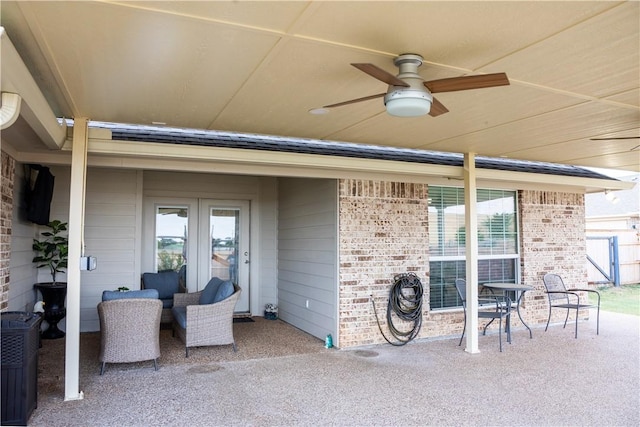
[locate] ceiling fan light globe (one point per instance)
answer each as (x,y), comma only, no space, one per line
(408,103)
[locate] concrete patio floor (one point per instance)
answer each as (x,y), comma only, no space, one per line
(552,379)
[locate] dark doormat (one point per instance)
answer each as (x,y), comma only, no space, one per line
(242,320)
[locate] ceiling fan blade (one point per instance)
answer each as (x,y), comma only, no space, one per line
(612,138)
(353,101)
(380,74)
(437,108)
(467,82)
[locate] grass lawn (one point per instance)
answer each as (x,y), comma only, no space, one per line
(624,299)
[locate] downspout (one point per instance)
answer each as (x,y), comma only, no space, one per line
(10,109)
(471,239)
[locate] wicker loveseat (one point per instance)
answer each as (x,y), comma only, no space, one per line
(129,327)
(206,318)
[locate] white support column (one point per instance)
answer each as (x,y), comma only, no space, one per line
(76,232)
(471,233)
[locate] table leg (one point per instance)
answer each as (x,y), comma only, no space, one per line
(520,316)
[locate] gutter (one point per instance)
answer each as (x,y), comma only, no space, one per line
(34,108)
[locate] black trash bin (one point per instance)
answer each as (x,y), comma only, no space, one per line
(20,342)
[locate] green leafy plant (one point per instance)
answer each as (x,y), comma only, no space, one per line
(53,250)
(169,261)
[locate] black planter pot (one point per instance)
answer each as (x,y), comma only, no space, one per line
(54,296)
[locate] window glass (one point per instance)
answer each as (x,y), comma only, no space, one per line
(497,240)
(171,237)
(225,231)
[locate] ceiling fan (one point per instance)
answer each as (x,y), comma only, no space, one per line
(409,95)
(614,138)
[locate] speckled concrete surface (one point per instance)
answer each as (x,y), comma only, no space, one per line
(552,379)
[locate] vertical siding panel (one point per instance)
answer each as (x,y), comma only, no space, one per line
(307,254)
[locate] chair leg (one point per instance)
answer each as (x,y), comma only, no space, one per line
(186,352)
(102,368)
(500,333)
(548,319)
(577,308)
(484,332)
(235,347)
(155,364)
(464,328)
(566,319)
(598,320)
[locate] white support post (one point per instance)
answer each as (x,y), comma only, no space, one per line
(471,233)
(76,231)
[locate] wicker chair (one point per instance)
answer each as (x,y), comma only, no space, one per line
(130,329)
(167,283)
(206,324)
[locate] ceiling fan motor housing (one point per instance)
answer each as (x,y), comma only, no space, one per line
(414,100)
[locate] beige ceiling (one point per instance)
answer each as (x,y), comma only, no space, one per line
(259,67)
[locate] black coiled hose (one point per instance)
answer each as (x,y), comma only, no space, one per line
(405,301)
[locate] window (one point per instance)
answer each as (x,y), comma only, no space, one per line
(171,237)
(497,241)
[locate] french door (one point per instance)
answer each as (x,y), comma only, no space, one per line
(209,237)
(224,244)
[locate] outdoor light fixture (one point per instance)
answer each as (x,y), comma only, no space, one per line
(611,197)
(413,99)
(408,103)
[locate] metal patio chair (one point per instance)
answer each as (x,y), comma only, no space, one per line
(491,307)
(569,299)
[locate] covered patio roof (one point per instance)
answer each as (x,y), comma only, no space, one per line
(259,67)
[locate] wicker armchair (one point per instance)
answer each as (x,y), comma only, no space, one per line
(206,324)
(166,283)
(130,329)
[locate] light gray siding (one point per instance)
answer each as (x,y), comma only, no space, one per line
(266,212)
(307,254)
(113,231)
(22,271)
(262,194)
(110,234)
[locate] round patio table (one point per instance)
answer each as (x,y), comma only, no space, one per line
(515,287)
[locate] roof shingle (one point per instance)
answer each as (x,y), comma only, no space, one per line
(210,138)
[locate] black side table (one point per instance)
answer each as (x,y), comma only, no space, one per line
(53,296)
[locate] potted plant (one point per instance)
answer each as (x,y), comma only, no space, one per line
(53,252)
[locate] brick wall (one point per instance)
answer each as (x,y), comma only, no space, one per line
(552,236)
(383,232)
(8,170)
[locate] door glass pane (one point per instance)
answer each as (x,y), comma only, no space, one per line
(225,229)
(171,237)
